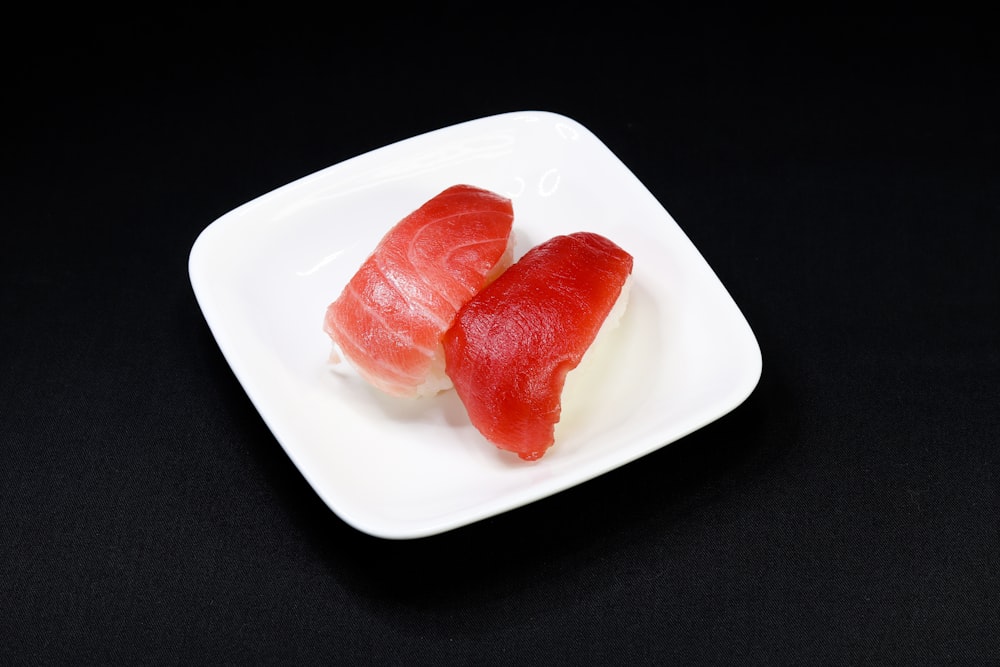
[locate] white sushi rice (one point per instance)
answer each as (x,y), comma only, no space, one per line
(582,381)
(437,380)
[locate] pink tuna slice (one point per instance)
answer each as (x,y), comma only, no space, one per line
(389,320)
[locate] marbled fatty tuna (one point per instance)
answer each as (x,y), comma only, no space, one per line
(389,320)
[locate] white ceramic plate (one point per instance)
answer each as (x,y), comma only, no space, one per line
(264,273)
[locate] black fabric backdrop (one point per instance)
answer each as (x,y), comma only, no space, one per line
(840,175)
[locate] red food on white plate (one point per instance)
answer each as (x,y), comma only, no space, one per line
(513,344)
(390,318)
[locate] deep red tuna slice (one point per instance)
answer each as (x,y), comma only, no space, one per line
(512,344)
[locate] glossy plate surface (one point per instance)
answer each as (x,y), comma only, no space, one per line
(264,273)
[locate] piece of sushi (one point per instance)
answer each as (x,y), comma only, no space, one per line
(389,320)
(513,344)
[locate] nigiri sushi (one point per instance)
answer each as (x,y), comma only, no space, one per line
(389,320)
(512,345)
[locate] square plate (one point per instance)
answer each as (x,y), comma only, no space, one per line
(682,356)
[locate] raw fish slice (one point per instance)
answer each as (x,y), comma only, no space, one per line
(512,344)
(389,319)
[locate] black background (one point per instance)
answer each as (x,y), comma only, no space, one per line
(841,175)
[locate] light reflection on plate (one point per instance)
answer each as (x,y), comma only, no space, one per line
(264,273)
